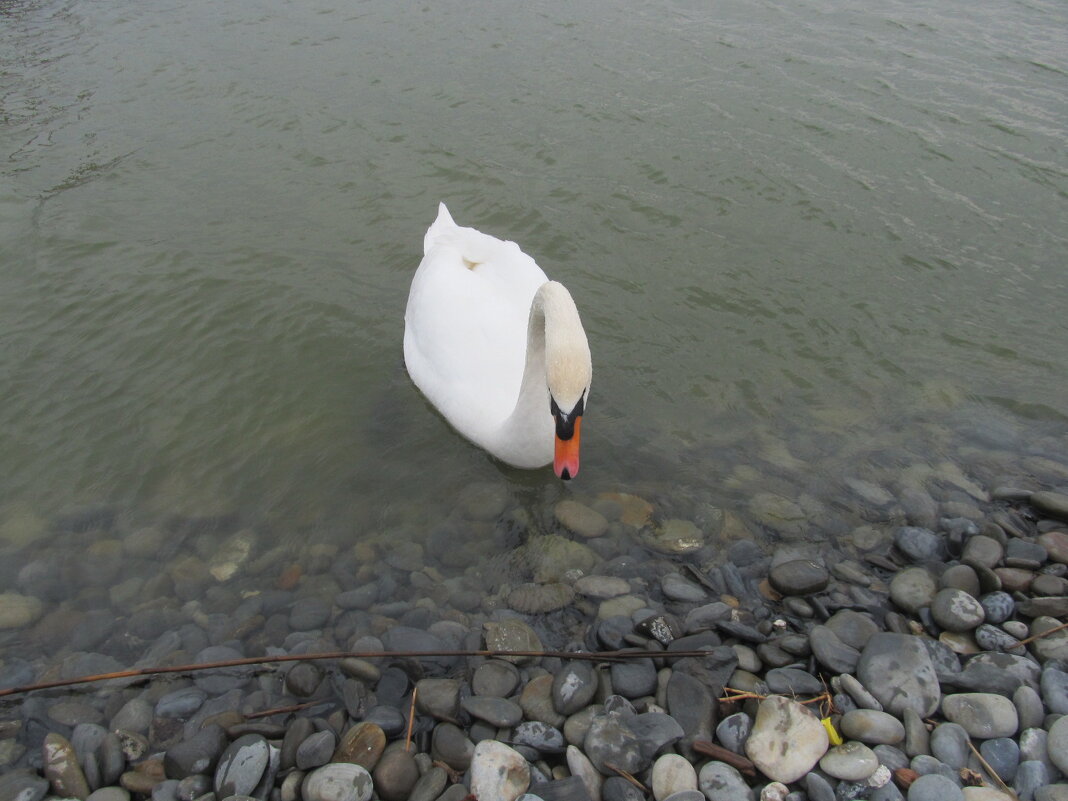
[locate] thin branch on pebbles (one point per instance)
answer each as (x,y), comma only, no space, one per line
(993,773)
(282,710)
(135,673)
(1042,634)
(743,695)
(722,754)
(411,721)
(628,776)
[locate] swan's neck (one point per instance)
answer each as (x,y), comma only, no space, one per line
(554,336)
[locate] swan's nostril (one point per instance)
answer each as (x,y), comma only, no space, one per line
(565,475)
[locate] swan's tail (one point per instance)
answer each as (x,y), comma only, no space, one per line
(443,224)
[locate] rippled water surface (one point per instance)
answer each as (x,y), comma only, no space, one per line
(793,230)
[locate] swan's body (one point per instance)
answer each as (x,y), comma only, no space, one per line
(497,347)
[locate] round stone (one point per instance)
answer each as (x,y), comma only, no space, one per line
(851,761)
(672,774)
(919,544)
(495,677)
(898,670)
(395,775)
(1057,744)
(241,766)
(361,745)
(913,588)
(580,519)
(997,607)
(536,599)
(338,781)
(935,787)
(498,772)
(722,782)
(498,712)
(18,611)
(799,577)
(956,610)
(451,745)
(786,740)
(573,687)
(982,715)
(872,726)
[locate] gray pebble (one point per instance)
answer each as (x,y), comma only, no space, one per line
(1054,688)
(733,731)
(949,744)
(872,726)
(1030,776)
(934,787)
(499,712)
(831,652)
(956,610)
(792,681)
(316,750)
(919,544)
(241,766)
(1003,754)
(799,577)
(495,677)
(573,687)
(997,606)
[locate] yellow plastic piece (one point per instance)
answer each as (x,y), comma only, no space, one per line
(832,732)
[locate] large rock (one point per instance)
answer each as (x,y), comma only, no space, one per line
(786,741)
(898,670)
(498,772)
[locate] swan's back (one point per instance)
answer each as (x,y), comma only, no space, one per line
(465,333)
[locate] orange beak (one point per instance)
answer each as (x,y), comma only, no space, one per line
(566,458)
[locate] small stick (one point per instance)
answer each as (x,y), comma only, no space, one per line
(282,710)
(629,777)
(992,772)
(724,755)
(411,721)
(1043,634)
(595,656)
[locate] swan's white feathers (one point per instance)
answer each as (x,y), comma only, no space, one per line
(466,341)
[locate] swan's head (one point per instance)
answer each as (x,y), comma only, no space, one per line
(568,371)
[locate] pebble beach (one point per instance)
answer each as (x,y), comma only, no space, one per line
(897,639)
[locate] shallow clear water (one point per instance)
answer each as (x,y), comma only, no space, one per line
(793,230)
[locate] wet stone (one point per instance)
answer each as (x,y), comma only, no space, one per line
(831,652)
(1030,776)
(580,519)
(395,775)
(913,588)
(678,588)
(610,741)
(361,745)
(1054,688)
(1003,754)
(633,678)
(496,711)
(1054,504)
(451,745)
(997,607)
(496,678)
(982,550)
(919,544)
(61,769)
(338,781)
(198,754)
(573,687)
(315,750)
(799,577)
(241,766)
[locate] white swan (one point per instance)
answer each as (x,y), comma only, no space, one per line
(497,347)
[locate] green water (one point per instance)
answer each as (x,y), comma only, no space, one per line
(779,221)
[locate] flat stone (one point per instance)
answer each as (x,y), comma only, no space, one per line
(919,544)
(536,699)
(983,715)
(59,763)
(498,772)
(1054,504)
(722,782)
(786,740)
(580,519)
(601,587)
(898,671)
(831,652)
(512,635)
(633,678)
(792,681)
(1003,755)
(395,775)
(679,588)
(852,761)
(361,745)
(610,741)
(1057,744)
(316,750)
(450,745)
(18,611)
(338,781)
(733,731)
(241,766)
(935,787)
(591,778)
(672,774)
(198,754)
(956,610)
(542,737)
(496,678)
(799,577)
(573,686)
(498,712)
(872,726)
(913,588)
(949,744)
(1056,545)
